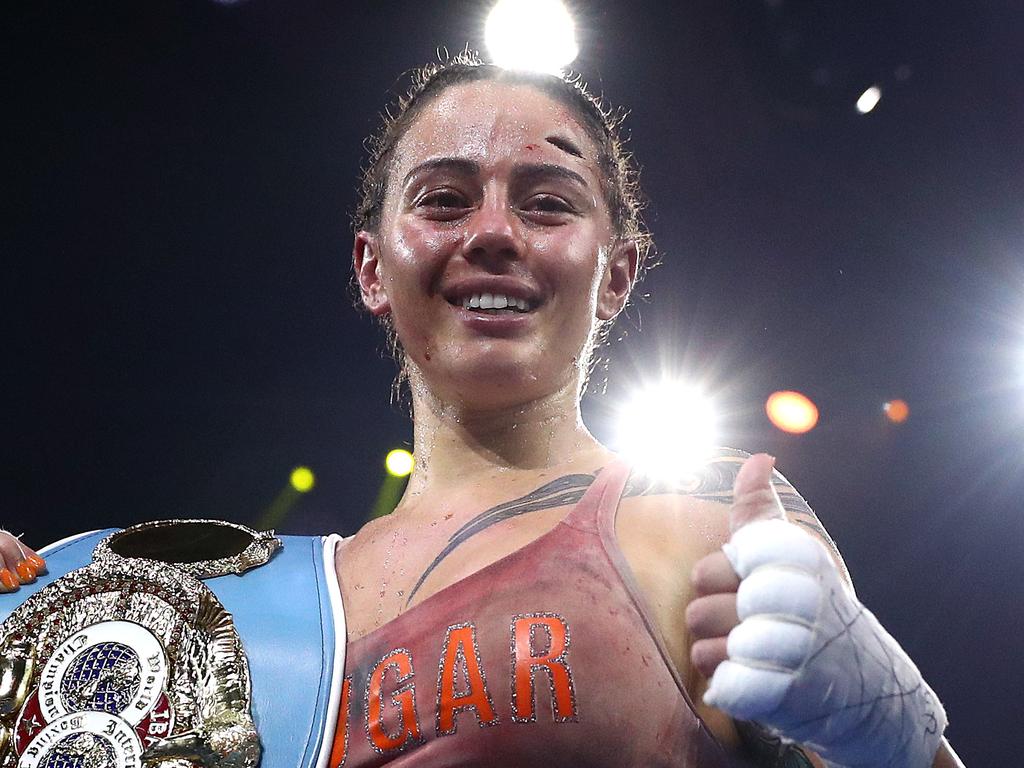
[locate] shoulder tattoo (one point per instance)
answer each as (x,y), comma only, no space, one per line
(714,482)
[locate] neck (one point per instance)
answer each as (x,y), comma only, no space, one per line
(454,444)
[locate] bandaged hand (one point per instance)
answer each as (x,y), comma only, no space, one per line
(788,645)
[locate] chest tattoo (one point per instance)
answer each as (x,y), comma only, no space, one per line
(565,490)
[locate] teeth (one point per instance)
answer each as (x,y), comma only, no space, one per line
(494,301)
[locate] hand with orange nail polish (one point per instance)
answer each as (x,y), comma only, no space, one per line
(19,564)
(26,573)
(8,583)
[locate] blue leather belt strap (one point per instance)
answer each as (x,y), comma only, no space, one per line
(283,613)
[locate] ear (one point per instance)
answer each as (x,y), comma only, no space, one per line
(366,262)
(618,279)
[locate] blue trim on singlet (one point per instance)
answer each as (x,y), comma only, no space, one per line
(283,614)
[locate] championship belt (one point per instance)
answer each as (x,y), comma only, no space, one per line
(182,643)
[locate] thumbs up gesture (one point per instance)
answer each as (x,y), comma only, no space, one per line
(787,644)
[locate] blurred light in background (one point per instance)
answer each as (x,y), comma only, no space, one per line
(896,411)
(399,462)
(302,479)
(869,99)
(792,412)
(667,429)
(536,35)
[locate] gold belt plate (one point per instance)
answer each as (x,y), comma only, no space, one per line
(127,662)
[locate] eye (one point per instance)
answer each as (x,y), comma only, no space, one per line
(548,205)
(442,200)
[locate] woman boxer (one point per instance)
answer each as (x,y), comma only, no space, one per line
(575,613)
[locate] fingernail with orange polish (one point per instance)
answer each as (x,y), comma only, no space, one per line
(26,573)
(8,580)
(38,563)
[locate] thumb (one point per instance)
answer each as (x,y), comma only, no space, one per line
(753,496)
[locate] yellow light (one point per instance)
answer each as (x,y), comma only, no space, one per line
(667,430)
(535,35)
(399,462)
(302,479)
(896,411)
(869,99)
(792,412)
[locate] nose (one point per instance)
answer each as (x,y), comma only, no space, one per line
(493,233)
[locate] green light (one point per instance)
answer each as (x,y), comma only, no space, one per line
(399,462)
(302,479)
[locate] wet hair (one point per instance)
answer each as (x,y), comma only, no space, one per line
(619,175)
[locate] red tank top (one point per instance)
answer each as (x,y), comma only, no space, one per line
(546,657)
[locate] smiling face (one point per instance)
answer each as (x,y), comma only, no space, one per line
(496,255)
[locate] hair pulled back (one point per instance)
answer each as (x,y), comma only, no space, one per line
(618,173)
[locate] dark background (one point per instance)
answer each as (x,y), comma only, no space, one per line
(178,179)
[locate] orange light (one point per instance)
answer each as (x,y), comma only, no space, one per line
(792,412)
(896,411)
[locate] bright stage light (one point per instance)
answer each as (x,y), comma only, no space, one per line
(869,99)
(536,35)
(399,462)
(302,479)
(896,411)
(667,430)
(792,412)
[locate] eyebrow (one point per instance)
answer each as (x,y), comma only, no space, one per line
(525,171)
(536,171)
(457,164)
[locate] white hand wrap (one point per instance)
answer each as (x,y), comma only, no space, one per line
(814,665)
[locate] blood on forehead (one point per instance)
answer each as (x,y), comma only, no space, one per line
(477,120)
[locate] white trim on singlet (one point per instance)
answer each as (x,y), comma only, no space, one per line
(66,540)
(331,543)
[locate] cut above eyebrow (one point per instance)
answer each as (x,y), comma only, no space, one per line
(565,145)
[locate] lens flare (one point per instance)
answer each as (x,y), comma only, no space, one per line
(869,99)
(399,462)
(792,412)
(896,411)
(667,429)
(302,479)
(534,35)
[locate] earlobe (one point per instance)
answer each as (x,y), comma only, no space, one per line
(619,277)
(366,262)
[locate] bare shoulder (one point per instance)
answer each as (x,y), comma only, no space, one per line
(688,513)
(664,529)
(354,544)
(703,497)
(357,552)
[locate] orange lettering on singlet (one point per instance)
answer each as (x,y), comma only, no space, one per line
(553,659)
(404,698)
(460,650)
(340,749)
